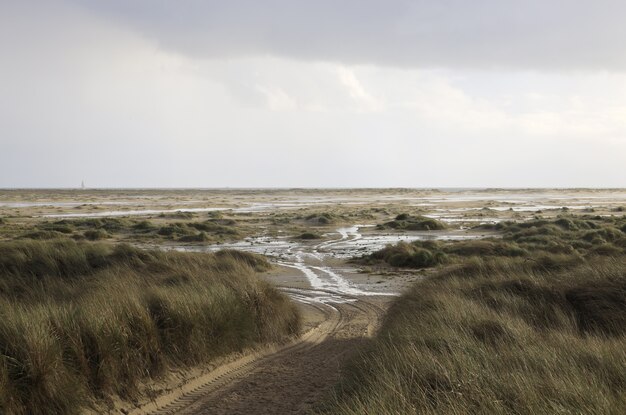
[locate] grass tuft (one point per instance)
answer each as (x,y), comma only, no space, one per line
(408,222)
(309,236)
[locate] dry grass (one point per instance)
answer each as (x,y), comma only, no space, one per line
(407,222)
(585,237)
(82,322)
(176,227)
(501,336)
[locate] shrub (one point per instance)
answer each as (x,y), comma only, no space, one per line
(199,237)
(61,227)
(95,235)
(485,248)
(405,221)
(213,227)
(309,235)
(144,225)
(408,255)
(604,234)
(566,223)
(425,225)
(175,229)
(215,214)
(112,225)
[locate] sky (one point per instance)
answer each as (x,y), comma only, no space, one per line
(325,93)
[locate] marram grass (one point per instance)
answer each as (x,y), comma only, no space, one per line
(498,336)
(82,322)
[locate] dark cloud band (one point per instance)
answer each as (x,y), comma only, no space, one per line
(532,34)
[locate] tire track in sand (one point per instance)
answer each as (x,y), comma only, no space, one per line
(294,382)
(203,386)
(285,379)
(293,377)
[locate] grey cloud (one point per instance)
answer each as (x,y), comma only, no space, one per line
(86,94)
(531,34)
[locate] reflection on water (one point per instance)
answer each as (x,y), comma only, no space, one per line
(312,260)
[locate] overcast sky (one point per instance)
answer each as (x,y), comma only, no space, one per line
(328,93)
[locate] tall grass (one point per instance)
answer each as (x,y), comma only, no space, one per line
(82,322)
(593,236)
(499,336)
(408,222)
(213,229)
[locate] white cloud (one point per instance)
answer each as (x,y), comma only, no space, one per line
(277,99)
(364,100)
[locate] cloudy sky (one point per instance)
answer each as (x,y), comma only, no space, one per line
(295,93)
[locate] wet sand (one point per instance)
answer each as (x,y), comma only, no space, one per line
(492,204)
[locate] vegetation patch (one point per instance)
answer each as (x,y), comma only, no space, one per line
(42,235)
(81,322)
(178,215)
(219,227)
(144,226)
(533,239)
(125,229)
(498,335)
(408,222)
(199,237)
(408,255)
(322,218)
(309,236)
(175,230)
(95,234)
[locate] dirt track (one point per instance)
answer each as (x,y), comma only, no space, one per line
(289,380)
(293,378)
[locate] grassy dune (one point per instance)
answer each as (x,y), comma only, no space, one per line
(408,222)
(574,236)
(174,227)
(502,336)
(82,322)
(531,323)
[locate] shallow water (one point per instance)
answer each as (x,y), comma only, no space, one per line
(313,260)
(251,208)
(61,204)
(117,213)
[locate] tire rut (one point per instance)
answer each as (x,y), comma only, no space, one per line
(182,401)
(290,379)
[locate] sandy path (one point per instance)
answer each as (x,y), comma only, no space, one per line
(289,380)
(295,377)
